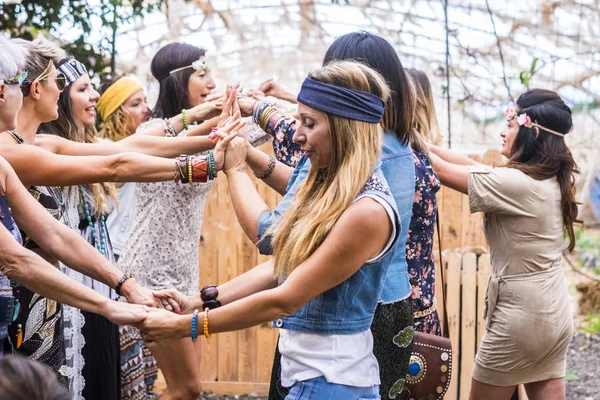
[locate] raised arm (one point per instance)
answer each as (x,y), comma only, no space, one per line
(450,156)
(338,258)
(455,176)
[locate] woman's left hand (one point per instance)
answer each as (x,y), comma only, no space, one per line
(226,135)
(161,325)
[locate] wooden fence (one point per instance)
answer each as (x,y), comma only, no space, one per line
(240,362)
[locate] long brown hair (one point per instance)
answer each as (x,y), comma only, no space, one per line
(543,155)
(65,127)
(325,194)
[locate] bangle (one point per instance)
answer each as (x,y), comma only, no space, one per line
(184,118)
(205,330)
(169,128)
(198,169)
(193,333)
(269,169)
(209,294)
(121,282)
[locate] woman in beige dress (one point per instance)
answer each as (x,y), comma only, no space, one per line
(528,206)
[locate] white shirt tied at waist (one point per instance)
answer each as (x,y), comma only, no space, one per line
(493,289)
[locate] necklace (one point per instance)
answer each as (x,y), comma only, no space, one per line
(99,244)
(17,138)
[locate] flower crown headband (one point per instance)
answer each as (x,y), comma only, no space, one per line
(524,120)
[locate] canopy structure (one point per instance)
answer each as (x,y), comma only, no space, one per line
(491,50)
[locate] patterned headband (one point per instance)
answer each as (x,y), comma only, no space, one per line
(72,69)
(525,120)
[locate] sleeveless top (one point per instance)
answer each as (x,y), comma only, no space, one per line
(9,223)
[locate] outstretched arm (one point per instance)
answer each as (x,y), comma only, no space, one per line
(455,176)
(63,243)
(36,166)
(36,274)
(451,156)
(337,259)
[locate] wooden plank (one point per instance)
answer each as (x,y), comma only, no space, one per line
(468,325)
(493,158)
(439,289)
(232,387)
(453,304)
(209,272)
(451,215)
(484,269)
(227,247)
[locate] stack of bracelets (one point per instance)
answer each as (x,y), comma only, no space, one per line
(267,117)
(169,128)
(189,169)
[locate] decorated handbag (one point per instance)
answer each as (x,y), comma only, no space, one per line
(430,367)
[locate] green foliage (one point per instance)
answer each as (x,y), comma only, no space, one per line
(28,18)
(592,324)
(525,76)
(570,375)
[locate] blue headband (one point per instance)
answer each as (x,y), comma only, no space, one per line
(340,101)
(72,69)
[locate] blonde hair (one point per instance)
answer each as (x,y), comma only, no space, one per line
(41,51)
(13,57)
(425,121)
(115,126)
(327,193)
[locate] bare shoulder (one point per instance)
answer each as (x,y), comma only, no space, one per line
(366,216)
(49,142)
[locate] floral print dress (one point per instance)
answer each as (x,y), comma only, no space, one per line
(419,245)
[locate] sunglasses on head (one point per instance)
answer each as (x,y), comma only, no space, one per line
(17,79)
(61,83)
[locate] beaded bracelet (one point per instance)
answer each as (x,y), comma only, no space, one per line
(121,282)
(193,333)
(269,169)
(205,330)
(213,168)
(184,118)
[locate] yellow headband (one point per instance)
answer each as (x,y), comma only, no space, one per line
(116,95)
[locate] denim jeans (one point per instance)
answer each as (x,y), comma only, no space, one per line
(319,389)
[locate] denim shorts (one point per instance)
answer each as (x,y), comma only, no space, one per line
(319,389)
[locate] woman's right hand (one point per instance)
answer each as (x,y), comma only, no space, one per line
(121,313)
(272,88)
(235,156)
(207,110)
(246,105)
(227,134)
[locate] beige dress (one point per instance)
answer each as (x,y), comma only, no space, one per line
(529,320)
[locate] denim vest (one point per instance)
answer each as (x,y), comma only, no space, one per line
(349,307)
(398,167)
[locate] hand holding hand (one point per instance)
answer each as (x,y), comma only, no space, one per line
(179,301)
(137,294)
(235,156)
(207,110)
(161,325)
(226,135)
(121,313)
